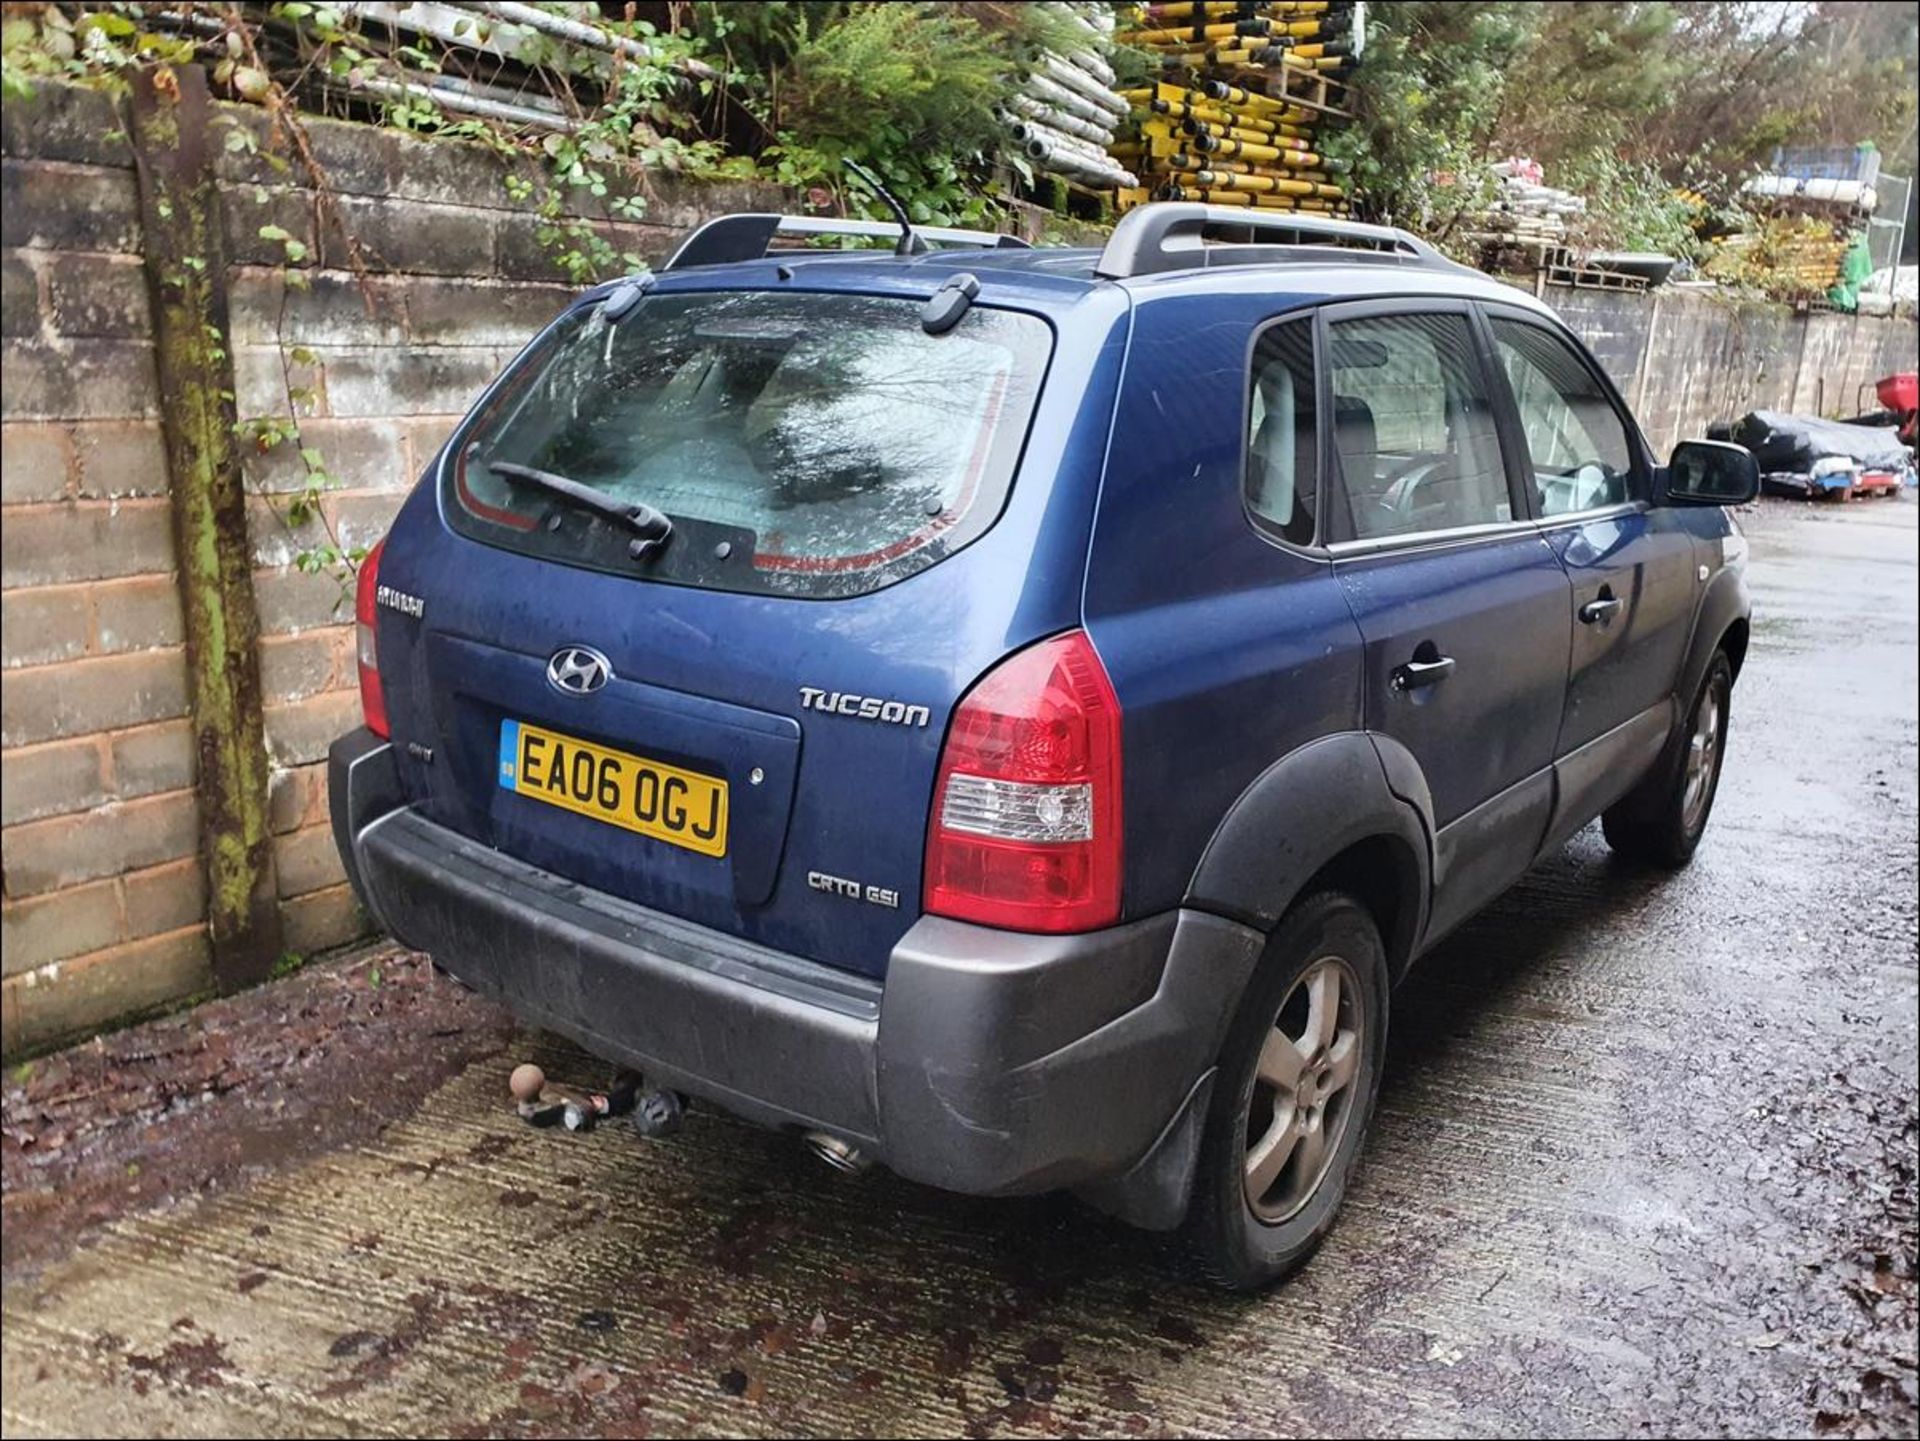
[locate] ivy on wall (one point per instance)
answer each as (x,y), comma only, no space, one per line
(292,59)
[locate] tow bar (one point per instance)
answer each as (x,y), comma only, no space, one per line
(656,1112)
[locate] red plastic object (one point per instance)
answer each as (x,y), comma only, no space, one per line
(373,696)
(1900,392)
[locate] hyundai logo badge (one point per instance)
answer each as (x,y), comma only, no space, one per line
(578,670)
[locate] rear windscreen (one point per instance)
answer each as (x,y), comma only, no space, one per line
(804,444)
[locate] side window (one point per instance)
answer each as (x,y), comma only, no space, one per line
(1283,468)
(1412,426)
(1582,458)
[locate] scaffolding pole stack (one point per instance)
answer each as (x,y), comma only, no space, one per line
(1246,92)
(1065,113)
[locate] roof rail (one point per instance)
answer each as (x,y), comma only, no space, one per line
(1140,244)
(730,238)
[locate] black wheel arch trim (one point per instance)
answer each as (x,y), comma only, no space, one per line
(1726,604)
(1304,812)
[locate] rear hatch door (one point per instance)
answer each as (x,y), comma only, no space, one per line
(659,710)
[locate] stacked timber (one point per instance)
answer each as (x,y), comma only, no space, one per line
(1525,209)
(1065,113)
(1526,227)
(1246,91)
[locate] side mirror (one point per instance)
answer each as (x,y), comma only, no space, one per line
(1711,472)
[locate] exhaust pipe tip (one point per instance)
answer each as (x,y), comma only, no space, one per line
(847,1159)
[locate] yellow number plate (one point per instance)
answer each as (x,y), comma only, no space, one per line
(682,808)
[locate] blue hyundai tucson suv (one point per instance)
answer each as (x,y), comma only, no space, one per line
(1012,714)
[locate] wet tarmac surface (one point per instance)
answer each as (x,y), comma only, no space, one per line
(1644,1162)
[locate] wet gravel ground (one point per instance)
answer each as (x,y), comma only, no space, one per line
(1645,1162)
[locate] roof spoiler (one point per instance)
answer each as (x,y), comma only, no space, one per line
(731,238)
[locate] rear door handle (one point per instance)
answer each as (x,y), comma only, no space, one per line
(1417,673)
(1595,611)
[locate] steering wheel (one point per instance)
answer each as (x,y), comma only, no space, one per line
(1398,498)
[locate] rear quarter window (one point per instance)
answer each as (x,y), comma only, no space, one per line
(808,444)
(1282,475)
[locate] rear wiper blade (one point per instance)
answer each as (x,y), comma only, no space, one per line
(652,527)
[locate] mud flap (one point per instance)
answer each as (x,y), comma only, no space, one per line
(1154,1194)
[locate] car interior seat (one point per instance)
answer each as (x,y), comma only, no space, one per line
(1282,472)
(1356,440)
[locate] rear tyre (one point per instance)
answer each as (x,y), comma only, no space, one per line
(1661,821)
(1298,1076)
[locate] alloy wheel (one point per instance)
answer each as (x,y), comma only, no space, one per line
(1703,751)
(1304,1089)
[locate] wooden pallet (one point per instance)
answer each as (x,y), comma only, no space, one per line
(1544,246)
(1523,257)
(1309,89)
(1589,277)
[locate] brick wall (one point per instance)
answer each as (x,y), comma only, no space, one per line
(103,889)
(104,897)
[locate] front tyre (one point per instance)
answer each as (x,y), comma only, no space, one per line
(1661,821)
(1298,1076)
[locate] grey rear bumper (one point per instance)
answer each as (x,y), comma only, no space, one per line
(988,1062)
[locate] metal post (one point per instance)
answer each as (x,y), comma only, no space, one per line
(1646,355)
(1900,229)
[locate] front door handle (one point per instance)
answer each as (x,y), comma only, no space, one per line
(1417,673)
(1600,609)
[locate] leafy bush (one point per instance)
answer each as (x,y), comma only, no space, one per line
(1629,206)
(1428,98)
(1618,103)
(908,89)
(896,76)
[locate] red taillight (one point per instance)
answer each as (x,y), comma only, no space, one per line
(373,700)
(1025,832)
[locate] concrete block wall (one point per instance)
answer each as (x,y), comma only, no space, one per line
(104,894)
(1843,355)
(1686,360)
